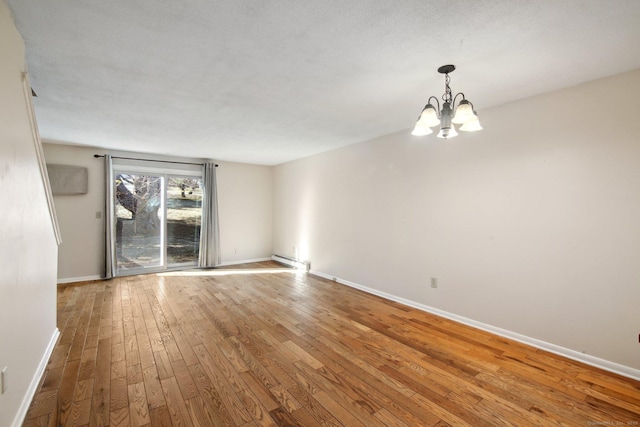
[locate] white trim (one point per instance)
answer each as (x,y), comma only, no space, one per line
(245,261)
(552,348)
(79,279)
(33,387)
(42,163)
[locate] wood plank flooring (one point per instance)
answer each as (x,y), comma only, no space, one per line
(269,348)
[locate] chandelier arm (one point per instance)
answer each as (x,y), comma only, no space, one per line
(453,103)
(437,101)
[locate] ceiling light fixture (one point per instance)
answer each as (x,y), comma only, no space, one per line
(465,115)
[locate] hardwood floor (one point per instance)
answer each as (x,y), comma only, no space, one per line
(268,348)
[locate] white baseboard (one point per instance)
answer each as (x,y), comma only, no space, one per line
(244,261)
(300,265)
(78,279)
(223,264)
(552,348)
(35,381)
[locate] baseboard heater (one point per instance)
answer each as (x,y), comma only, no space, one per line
(291,262)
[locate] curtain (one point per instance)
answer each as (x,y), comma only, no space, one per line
(109,238)
(209,230)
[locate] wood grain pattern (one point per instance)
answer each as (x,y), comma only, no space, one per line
(138,406)
(266,346)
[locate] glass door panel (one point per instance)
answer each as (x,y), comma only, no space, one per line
(184,210)
(139,212)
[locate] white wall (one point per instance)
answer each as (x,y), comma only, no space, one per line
(28,247)
(532,225)
(244,199)
(81,254)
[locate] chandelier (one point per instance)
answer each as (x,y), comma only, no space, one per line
(465,115)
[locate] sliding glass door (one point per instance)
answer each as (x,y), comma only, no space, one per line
(138,216)
(156,220)
(184,213)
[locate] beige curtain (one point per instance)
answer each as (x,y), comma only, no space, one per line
(109,238)
(209,230)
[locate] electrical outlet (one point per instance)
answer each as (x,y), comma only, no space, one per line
(98,214)
(434,282)
(3,380)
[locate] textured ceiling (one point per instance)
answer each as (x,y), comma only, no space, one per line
(271,81)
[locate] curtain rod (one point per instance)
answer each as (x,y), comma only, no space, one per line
(149,160)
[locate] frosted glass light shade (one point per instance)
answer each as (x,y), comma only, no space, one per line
(472,125)
(420,130)
(447,133)
(464,112)
(429,117)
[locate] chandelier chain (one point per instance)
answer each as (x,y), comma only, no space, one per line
(447,96)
